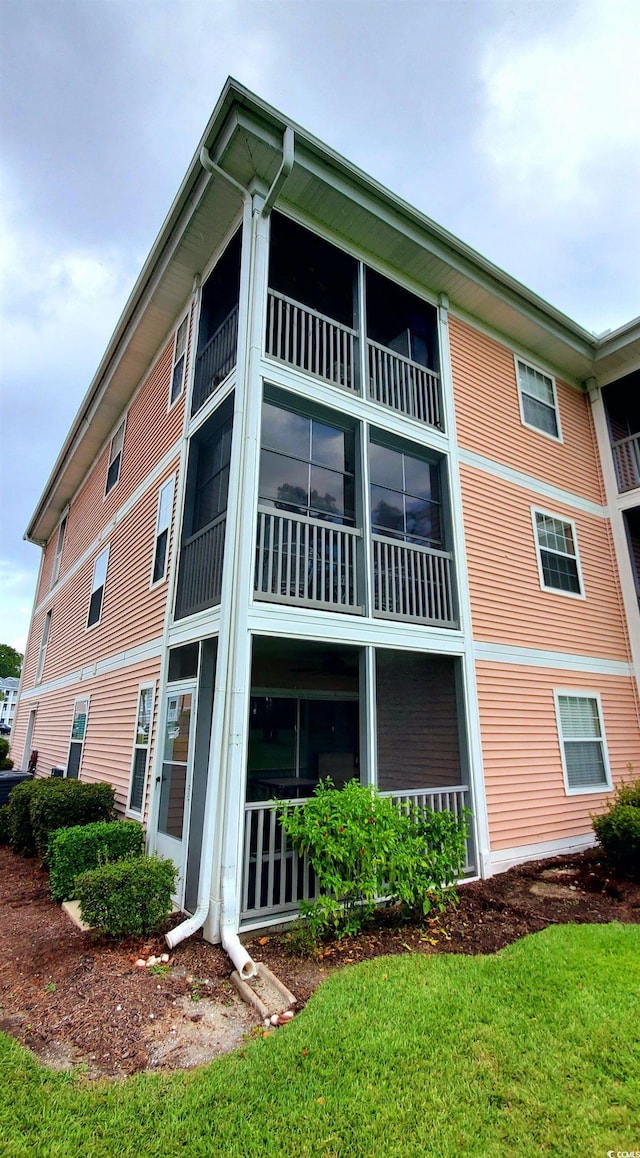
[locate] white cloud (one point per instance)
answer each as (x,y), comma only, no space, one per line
(17,588)
(560,108)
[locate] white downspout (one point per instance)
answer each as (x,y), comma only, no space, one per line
(228,917)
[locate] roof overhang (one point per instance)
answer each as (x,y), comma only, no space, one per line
(245,138)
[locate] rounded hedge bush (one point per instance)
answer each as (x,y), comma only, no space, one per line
(72,851)
(618,831)
(129,898)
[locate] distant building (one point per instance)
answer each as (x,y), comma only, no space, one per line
(8,700)
(343,499)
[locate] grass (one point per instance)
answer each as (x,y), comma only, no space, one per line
(531,1051)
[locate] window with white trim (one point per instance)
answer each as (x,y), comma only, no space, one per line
(582,742)
(58,556)
(78,733)
(97,588)
(558,560)
(179,361)
(141,748)
(115,458)
(163,523)
(538,400)
(43,645)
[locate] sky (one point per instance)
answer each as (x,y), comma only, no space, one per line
(515,125)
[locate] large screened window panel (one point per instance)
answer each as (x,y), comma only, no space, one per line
(557,553)
(582,738)
(538,401)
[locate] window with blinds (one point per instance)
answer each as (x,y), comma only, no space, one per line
(582,741)
(538,400)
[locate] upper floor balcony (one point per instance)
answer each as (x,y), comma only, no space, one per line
(622,406)
(320,542)
(314,319)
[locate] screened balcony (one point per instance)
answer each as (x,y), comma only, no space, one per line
(402,351)
(309,729)
(218,331)
(622,405)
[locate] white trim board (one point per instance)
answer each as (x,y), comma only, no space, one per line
(129,658)
(536,657)
(505,858)
(530,483)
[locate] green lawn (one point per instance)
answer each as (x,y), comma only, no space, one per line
(532,1051)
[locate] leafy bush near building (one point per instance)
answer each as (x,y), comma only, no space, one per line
(363,846)
(128,898)
(618,829)
(39,807)
(6,764)
(5,824)
(72,851)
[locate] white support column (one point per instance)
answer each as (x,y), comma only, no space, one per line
(472,715)
(368,720)
(616,504)
(233,672)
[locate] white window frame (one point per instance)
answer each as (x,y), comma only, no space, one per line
(177,355)
(104,554)
(116,448)
(518,361)
(160,529)
(582,789)
(62,530)
(46,630)
(149,685)
(78,700)
(581,594)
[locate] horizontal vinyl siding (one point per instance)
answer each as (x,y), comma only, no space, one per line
(108,746)
(488,417)
(508,605)
(149,434)
(132,613)
(526,798)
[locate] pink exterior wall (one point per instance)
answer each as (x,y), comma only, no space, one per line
(108,747)
(525,788)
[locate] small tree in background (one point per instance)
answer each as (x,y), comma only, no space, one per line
(10,662)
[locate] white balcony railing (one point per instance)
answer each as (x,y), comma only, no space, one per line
(200,574)
(309,340)
(412,582)
(404,385)
(275,879)
(626,455)
(305,560)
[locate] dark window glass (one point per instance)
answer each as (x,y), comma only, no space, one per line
(161,556)
(183,662)
(112,474)
(311,271)
(405,496)
(95,606)
(560,572)
(400,321)
(137,779)
(176,381)
(212,478)
(73,763)
(306,466)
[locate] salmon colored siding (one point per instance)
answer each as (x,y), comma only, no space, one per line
(526,796)
(488,417)
(109,738)
(507,603)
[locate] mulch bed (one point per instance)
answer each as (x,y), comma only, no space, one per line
(76,998)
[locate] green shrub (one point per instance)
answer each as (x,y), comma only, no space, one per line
(20,830)
(64,804)
(72,851)
(618,829)
(362,846)
(5,824)
(38,807)
(6,764)
(128,898)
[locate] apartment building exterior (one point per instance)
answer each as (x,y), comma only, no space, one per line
(343,499)
(8,700)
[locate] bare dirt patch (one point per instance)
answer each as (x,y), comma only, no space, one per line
(78,999)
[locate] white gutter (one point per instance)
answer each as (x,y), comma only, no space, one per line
(229,910)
